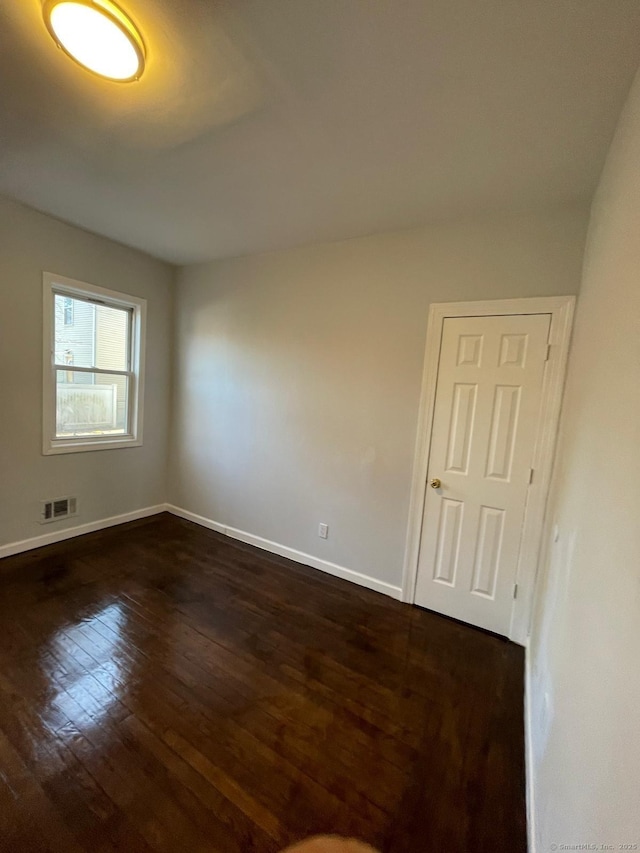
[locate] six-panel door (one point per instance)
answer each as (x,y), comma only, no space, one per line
(486,415)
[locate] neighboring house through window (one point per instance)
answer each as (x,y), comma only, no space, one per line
(68,310)
(100,333)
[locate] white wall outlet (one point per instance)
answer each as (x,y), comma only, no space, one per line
(323,531)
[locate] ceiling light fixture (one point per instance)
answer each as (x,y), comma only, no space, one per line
(97,35)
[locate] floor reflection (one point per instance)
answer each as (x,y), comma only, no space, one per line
(93,667)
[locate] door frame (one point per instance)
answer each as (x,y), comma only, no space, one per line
(561,309)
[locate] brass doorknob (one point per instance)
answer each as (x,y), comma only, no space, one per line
(435,483)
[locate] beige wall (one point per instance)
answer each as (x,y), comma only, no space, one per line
(298,375)
(585,685)
(107,482)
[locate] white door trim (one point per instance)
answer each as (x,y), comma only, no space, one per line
(561,309)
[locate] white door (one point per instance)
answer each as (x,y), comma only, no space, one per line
(487,409)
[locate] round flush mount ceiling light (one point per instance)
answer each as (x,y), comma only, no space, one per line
(98,35)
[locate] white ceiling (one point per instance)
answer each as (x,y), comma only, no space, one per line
(264,124)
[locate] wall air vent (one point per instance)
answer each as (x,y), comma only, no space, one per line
(57,509)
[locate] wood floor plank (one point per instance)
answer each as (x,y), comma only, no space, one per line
(165,688)
(35,808)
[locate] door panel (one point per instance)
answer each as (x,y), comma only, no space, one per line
(463,410)
(486,414)
(488,551)
(504,428)
(446,561)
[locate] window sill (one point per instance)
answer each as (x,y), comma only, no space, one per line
(66,445)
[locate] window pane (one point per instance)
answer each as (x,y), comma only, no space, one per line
(112,337)
(91,404)
(90,335)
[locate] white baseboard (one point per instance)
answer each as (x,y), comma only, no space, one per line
(265,544)
(78,530)
(528,754)
(291,553)
(197,519)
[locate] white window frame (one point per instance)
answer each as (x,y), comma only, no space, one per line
(53,285)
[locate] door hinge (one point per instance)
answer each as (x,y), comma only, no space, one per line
(515,590)
(530,476)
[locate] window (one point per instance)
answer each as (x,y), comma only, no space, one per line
(93,380)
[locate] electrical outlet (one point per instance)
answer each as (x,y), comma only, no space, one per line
(323,531)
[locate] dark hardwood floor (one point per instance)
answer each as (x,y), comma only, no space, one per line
(165,688)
